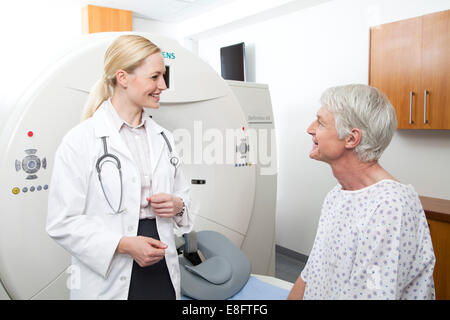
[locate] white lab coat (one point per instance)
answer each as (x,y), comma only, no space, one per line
(80,220)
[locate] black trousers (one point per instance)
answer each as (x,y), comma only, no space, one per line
(152,282)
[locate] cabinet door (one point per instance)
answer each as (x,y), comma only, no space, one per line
(436,70)
(440,236)
(395,67)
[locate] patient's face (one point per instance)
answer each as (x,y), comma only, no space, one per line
(327,146)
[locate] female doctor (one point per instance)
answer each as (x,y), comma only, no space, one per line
(116,192)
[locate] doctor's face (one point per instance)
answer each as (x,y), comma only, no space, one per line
(327,146)
(146,82)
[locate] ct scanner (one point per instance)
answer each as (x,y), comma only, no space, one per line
(199,106)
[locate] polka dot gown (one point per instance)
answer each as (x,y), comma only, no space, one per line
(372,243)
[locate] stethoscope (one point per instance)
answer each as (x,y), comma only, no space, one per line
(108,157)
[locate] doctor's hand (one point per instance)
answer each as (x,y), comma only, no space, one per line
(165,205)
(144,250)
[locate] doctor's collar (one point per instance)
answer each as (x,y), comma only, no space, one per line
(118,122)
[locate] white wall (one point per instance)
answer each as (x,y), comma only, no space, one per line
(155,27)
(32,32)
(299,55)
(170,30)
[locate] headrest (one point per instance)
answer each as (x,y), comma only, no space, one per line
(223,273)
(216,270)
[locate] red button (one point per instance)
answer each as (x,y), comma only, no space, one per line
(30,133)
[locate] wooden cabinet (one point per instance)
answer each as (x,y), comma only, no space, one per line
(410,63)
(437,212)
(101,19)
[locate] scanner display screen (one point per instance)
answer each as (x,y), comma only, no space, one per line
(167,77)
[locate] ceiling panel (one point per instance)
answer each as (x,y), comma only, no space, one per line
(162,10)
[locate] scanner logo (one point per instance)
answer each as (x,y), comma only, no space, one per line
(168,55)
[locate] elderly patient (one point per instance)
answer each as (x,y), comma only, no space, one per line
(373,240)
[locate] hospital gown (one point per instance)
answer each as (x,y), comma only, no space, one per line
(372,243)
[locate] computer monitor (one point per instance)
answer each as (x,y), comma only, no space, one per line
(232,62)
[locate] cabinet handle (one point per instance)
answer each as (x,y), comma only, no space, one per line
(425,93)
(411,94)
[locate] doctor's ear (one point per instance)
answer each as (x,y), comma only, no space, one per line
(353,139)
(122,78)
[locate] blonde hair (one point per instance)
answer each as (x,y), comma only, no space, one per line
(127,52)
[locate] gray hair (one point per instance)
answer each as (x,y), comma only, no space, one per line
(366,108)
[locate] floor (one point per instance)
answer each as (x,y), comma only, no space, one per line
(288,265)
